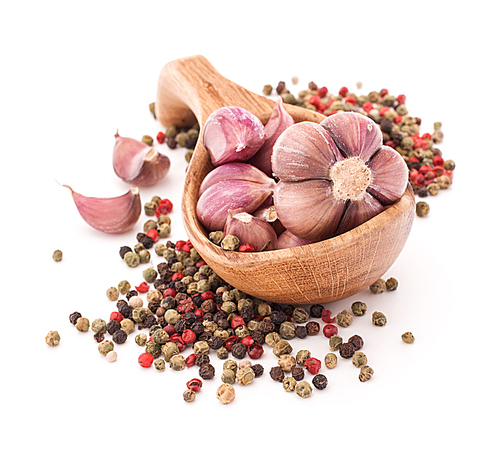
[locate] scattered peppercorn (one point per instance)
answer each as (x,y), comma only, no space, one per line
(320,381)
(57,256)
(391,284)
(346,350)
(378,287)
(53,338)
(303,389)
(277,374)
(422,208)
(379,319)
(366,373)
(408,337)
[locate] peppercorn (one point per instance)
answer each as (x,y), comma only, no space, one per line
(57,255)
(141,339)
(53,338)
(189,395)
(378,287)
(267,89)
(320,381)
(228,376)
(239,350)
(379,319)
(105,346)
(82,324)
(73,317)
(271,339)
(408,337)
(316,310)
(282,347)
(277,374)
(98,337)
(230,243)
(312,328)
(245,376)
(298,373)
(422,208)
(207,371)
(258,370)
(160,364)
(303,389)
(346,350)
(356,341)
(287,330)
(119,336)
(178,363)
(344,318)
(391,284)
(226,393)
(330,360)
(111,356)
(366,373)
(289,384)
(99,326)
(132,259)
(359,308)
(335,342)
(359,359)
(230,365)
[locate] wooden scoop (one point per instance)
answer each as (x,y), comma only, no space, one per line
(191,89)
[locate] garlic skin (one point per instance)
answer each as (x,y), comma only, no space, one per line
(232,134)
(288,240)
(137,163)
(334,176)
(279,121)
(234,171)
(250,229)
(109,215)
(213,205)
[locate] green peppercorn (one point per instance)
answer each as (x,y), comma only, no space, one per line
(160,364)
(344,318)
(230,243)
(391,284)
(153,348)
(359,308)
(379,319)
(330,360)
(105,346)
(82,324)
(222,352)
(228,376)
(303,389)
(378,287)
(335,342)
(282,347)
(271,339)
(53,338)
(123,287)
(245,376)
(144,256)
(182,138)
(112,293)
(141,339)
(449,165)
(149,209)
(300,315)
(289,384)
(160,336)
(422,208)
(150,275)
(302,356)
(132,259)
(230,364)
(359,359)
(267,89)
(366,373)
(169,350)
(408,337)
(164,230)
(433,189)
(287,330)
(99,326)
(57,255)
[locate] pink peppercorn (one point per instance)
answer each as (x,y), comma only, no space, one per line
(247,341)
(367,106)
(312,365)
(188,336)
(329,330)
(169,292)
(438,160)
(153,233)
(190,360)
(160,137)
(207,295)
(401,99)
(322,92)
(116,316)
(146,359)
(343,91)
(326,316)
(255,351)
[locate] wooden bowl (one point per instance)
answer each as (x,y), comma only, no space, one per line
(191,88)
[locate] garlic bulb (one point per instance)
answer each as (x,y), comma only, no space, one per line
(213,205)
(280,120)
(110,215)
(288,240)
(137,163)
(250,229)
(334,176)
(232,134)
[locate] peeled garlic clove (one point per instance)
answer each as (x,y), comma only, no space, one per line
(279,121)
(305,150)
(250,229)
(234,171)
(137,163)
(288,240)
(110,215)
(389,175)
(308,209)
(355,134)
(232,134)
(213,205)
(358,212)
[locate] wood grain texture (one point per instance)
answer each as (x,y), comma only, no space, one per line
(191,88)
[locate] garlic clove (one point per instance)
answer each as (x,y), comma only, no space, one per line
(304,151)
(213,205)
(137,163)
(389,175)
(355,134)
(288,240)
(111,215)
(232,134)
(250,229)
(234,171)
(359,211)
(279,121)
(308,209)
(267,212)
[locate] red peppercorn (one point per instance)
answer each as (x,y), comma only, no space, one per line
(428,182)
(188,336)
(383,92)
(401,99)
(246,248)
(170,329)
(207,295)
(247,341)
(237,321)
(169,292)
(177,276)
(449,174)
(426,136)
(201,263)
(391,144)
(424,169)
(322,92)
(229,341)
(438,170)
(116,316)
(164,207)
(190,360)
(153,233)
(419,180)
(438,160)
(315,100)
(414,159)
(430,175)
(146,359)
(326,316)
(367,106)
(255,351)
(398,119)
(343,91)
(321,107)
(194,385)
(143,287)
(383,110)
(329,330)
(350,99)
(312,365)
(160,137)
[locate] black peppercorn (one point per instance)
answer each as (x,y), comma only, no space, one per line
(153,306)
(147,241)
(239,350)
(131,293)
(190,318)
(99,337)
(73,317)
(259,337)
(298,373)
(316,310)
(180,287)
(181,325)
(277,317)
(258,370)
(215,342)
(346,350)
(312,328)
(247,314)
(357,342)
(112,326)
(204,336)
(149,321)
(124,250)
(197,327)
(320,381)
(266,326)
(168,303)
(119,336)
(207,371)
(277,374)
(300,331)
(208,306)
(202,359)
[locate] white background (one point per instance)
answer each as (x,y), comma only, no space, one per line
(74,73)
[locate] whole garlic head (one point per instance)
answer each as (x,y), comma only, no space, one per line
(334,175)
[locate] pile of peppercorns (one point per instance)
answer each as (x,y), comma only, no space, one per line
(428,171)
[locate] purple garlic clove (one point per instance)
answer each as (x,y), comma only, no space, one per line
(288,240)
(234,171)
(213,205)
(137,163)
(250,229)
(359,211)
(232,134)
(355,134)
(280,120)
